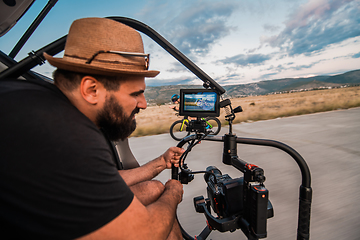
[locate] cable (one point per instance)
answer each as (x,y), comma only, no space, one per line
(184,155)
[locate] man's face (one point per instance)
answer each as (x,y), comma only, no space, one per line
(117,117)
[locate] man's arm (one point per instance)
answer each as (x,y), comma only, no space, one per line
(151,169)
(175,108)
(154,221)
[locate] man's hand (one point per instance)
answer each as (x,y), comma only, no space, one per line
(172,156)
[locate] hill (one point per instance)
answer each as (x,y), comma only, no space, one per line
(162,94)
(352,77)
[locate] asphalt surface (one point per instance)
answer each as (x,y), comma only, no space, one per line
(329,143)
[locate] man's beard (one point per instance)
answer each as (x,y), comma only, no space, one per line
(113,121)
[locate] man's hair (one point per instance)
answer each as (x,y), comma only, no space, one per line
(69,80)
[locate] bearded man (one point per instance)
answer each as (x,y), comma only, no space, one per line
(60,177)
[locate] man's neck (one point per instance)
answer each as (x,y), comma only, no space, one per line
(83,106)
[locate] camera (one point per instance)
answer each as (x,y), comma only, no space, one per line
(225,193)
(236,203)
(239,203)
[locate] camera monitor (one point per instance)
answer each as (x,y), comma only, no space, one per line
(199,103)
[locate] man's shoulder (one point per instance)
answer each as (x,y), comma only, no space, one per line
(23,91)
(38,104)
(22,94)
(14,85)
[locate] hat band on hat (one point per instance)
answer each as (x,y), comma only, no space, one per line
(130,54)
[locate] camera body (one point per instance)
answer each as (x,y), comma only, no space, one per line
(234,197)
(224,193)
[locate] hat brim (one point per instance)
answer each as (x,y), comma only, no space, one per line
(74,66)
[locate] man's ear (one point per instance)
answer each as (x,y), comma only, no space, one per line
(91,89)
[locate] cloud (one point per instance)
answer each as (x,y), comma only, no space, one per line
(289,66)
(277,68)
(177,67)
(271,28)
(198,26)
(305,66)
(316,25)
(153,82)
(246,60)
(267,76)
(357,55)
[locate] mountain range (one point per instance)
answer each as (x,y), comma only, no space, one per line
(162,94)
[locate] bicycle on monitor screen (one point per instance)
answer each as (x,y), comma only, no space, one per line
(198,114)
(182,128)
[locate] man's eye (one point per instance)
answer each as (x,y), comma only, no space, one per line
(137,94)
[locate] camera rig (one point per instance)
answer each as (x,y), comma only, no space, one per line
(240,203)
(251,214)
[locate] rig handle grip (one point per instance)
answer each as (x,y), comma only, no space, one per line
(174,172)
(304,213)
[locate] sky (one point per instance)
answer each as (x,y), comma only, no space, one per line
(233,41)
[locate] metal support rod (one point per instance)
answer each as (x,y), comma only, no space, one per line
(172,50)
(9,62)
(305,172)
(140,27)
(33,60)
(32,28)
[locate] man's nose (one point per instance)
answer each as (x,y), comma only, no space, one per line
(142,103)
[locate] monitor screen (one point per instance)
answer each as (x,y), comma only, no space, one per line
(199,103)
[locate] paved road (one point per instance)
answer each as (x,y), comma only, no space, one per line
(329,142)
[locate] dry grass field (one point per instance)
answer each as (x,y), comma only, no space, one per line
(158,119)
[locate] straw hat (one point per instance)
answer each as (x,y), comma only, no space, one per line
(105,47)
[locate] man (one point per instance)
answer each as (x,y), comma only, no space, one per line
(176,100)
(59,176)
